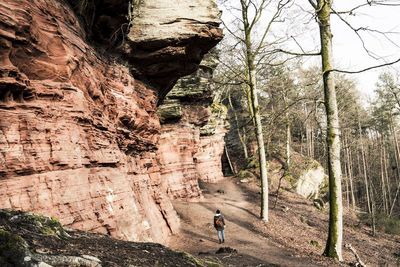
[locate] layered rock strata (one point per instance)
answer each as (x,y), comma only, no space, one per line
(192,134)
(168,39)
(78,132)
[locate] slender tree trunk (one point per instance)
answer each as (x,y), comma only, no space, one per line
(364,169)
(387,178)
(397,156)
(373,210)
(394,200)
(350,172)
(309,134)
(372,199)
(287,137)
(261,146)
(313,132)
(301,141)
(346,174)
(229,160)
(382,174)
(335,234)
(396,148)
(353,199)
(345,171)
(249,99)
(252,84)
(359,176)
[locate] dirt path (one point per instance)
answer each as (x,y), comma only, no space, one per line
(198,235)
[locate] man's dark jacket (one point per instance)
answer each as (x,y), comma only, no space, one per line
(219,228)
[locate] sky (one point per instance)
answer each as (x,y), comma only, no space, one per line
(348,50)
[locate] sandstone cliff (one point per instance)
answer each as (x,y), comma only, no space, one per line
(79,87)
(192,133)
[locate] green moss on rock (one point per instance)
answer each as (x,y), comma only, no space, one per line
(12,247)
(46,225)
(252,163)
(315,244)
(34,222)
(245,174)
(311,164)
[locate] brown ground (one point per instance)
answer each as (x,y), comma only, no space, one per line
(284,241)
(111,252)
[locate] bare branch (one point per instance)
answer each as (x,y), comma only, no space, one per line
(297,54)
(301,48)
(351,11)
(384,3)
(356,31)
(281,5)
(366,69)
(231,32)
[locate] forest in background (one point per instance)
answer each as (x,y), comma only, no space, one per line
(256,77)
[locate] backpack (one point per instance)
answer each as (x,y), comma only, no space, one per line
(218,222)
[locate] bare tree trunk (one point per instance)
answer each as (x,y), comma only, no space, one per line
(313,134)
(345,171)
(364,169)
(308,136)
(249,99)
(396,147)
(287,137)
(261,148)
(387,178)
(394,200)
(382,174)
(397,155)
(372,199)
(229,160)
(252,83)
(373,214)
(335,234)
(350,172)
(301,141)
(347,185)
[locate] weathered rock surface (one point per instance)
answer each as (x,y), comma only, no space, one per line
(33,240)
(310,181)
(192,136)
(78,132)
(168,39)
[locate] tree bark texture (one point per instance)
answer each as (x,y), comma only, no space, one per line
(252,85)
(335,235)
(364,169)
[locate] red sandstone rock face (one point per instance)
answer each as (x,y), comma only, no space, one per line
(78,133)
(188,153)
(208,156)
(187,157)
(178,147)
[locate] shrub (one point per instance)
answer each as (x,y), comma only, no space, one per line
(387,225)
(383,223)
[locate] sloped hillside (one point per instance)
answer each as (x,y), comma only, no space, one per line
(294,236)
(28,239)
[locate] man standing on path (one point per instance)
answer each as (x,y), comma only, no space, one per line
(219,224)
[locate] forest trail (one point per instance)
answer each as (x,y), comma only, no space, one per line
(197,232)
